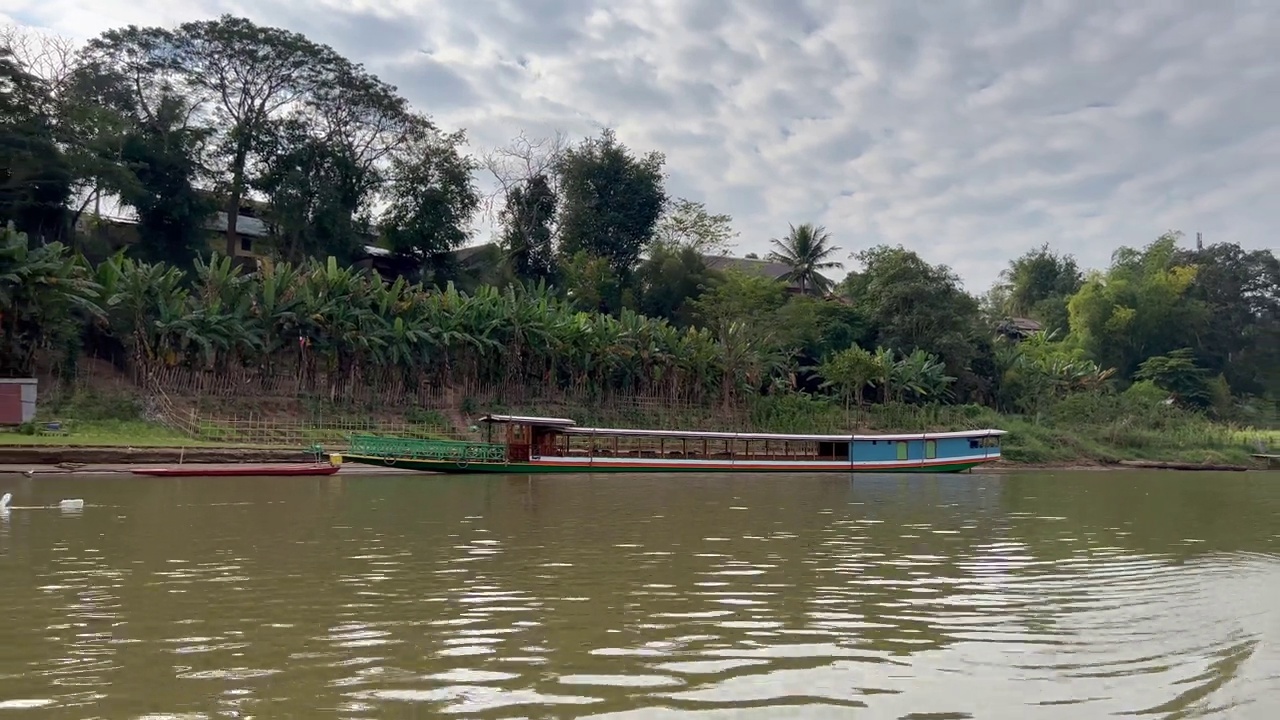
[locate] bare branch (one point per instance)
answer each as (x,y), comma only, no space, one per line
(515,164)
(52,58)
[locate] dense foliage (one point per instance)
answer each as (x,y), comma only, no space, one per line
(602,283)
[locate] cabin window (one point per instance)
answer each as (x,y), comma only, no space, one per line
(833,450)
(930,449)
(902,450)
(246,243)
(579,446)
(975,444)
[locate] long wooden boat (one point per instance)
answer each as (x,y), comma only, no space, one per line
(559,445)
(272,470)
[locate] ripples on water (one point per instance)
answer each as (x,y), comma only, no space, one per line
(645,597)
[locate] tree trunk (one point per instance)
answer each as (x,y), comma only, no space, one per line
(234,197)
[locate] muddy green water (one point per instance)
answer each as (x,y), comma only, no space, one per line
(1051,595)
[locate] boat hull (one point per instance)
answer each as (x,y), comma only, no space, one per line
(240,471)
(566,465)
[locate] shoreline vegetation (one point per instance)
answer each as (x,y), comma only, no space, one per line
(176,270)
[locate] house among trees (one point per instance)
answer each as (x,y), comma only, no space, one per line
(109,233)
(754,266)
(1019,328)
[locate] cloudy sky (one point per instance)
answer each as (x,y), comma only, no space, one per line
(968,130)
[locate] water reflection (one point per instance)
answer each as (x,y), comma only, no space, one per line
(655,597)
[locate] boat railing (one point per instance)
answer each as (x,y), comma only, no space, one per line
(398,448)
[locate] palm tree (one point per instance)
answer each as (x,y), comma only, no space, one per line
(806,250)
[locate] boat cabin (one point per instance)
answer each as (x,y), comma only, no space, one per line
(528,437)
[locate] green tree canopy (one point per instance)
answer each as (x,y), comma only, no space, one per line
(1039,284)
(688,224)
(1139,308)
(610,200)
(912,305)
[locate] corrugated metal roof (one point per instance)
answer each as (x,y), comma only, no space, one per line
(245,225)
(528,420)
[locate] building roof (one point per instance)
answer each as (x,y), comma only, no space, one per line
(1019,327)
(245,225)
(466,253)
(752,266)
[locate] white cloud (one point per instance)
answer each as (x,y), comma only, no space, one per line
(968,131)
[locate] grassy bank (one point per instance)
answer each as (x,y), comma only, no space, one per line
(103,433)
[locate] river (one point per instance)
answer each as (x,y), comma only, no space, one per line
(1026,596)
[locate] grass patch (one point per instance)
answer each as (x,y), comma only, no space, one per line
(103,433)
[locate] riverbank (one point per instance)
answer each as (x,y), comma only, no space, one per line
(1081,433)
(73,468)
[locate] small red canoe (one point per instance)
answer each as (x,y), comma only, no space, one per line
(274,469)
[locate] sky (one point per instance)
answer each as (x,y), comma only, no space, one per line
(969,131)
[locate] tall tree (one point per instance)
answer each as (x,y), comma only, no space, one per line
(1039,284)
(524,201)
(87,132)
(163,154)
(142,138)
(688,224)
(1240,293)
(670,280)
(431,197)
(1139,308)
(912,305)
(610,200)
(324,166)
(807,250)
(250,75)
(527,219)
(311,191)
(53,59)
(745,299)
(35,177)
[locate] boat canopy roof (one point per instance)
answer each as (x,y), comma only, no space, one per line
(528,420)
(570,427)
(712,435)
(984,432)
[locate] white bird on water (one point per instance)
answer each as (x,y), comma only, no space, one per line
(68,504)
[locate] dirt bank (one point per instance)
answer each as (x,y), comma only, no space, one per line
(90,455)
